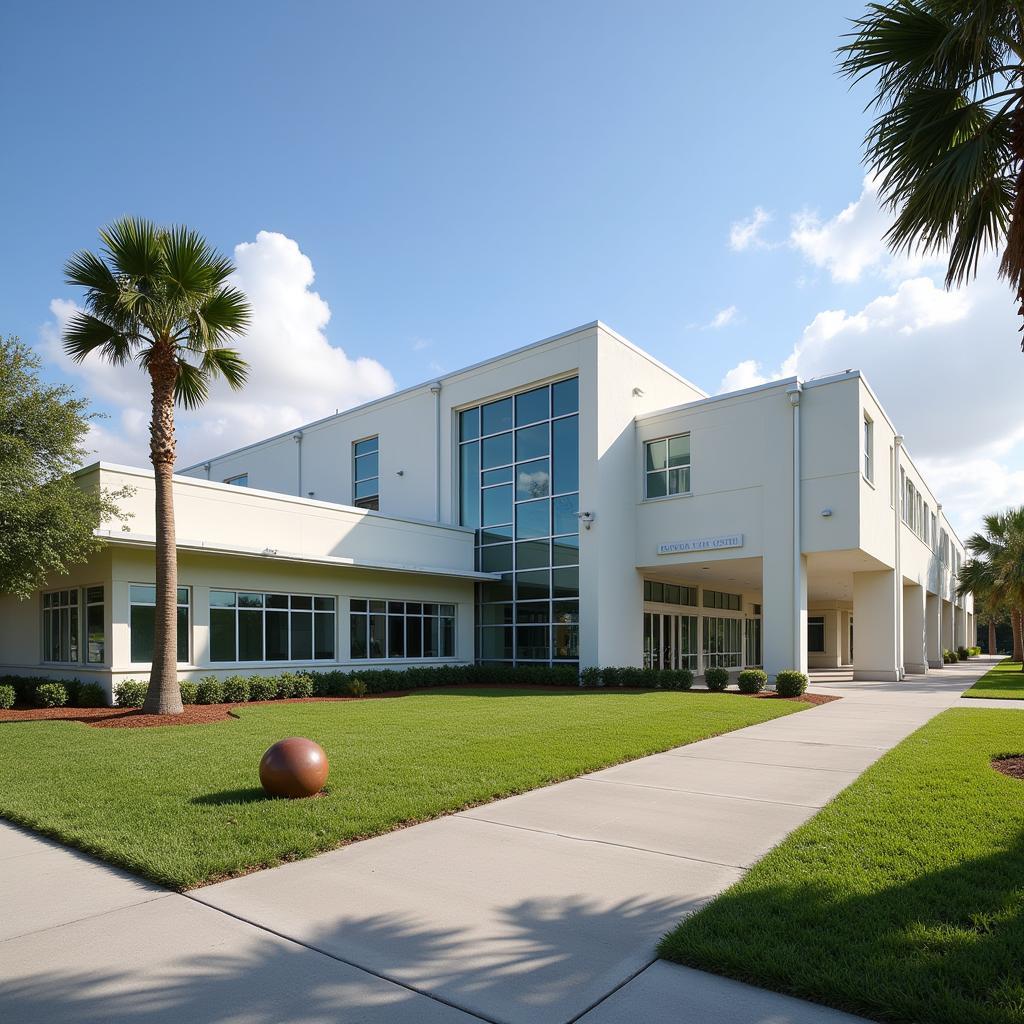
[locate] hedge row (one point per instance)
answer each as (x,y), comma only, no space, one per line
(50,693)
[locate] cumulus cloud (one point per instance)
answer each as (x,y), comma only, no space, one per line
(295,373)
(746,374)
(746,234)
(723,318)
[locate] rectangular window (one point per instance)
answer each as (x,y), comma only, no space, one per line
(61,626)
(519,478)
(401,630)
(248,626)
(95,629)
(717,599)
(903,495)
(366,473)
(142,621)
(924,523)
(241,480)
(667,466)
(723,642)
(816,634)
(669,593)
(869,448)
(892,483)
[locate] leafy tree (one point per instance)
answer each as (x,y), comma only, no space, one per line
(948,141)
(46,519)
(159,297)
(996,569)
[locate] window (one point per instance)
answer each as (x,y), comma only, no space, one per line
(716,599)
(669,593)
(869,448)
(60,625)
(667,466)
(935,534)
(142,620)
(519,489)
(903,495)
(892,496)
(924,523)
(816,634)
(723,642)
(401,629)
(250,626)
(95,633)
(241,480)
(366,474)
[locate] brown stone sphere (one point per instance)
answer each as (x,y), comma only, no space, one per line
(294,767)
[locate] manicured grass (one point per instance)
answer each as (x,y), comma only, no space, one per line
(1004,681)
(902,900)
(182,804)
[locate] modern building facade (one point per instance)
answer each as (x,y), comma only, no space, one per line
(573,501)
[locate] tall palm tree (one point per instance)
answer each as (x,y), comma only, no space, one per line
(997,568)
(976,577)
(948,141)
(159,297)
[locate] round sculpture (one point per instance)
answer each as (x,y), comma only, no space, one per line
(294,767)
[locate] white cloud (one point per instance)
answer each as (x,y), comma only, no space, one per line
(295,374)
(723,318)
(745,234)
(419,344)
(746,374)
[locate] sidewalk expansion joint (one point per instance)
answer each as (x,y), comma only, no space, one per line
(704,792)
(88,917)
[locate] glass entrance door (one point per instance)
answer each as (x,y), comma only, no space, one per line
(670,640)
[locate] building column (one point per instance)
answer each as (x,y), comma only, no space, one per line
(877,646)
(915,659)
(959,627)
(784,612)
(947,626)
(933,630)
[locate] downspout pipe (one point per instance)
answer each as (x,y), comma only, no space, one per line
(897,443)
(435,390)
(793,393)
(297,438)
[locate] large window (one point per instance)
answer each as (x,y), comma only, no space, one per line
(667,466)
(816,634)
(142,617)
(366,473)
(252,626)
(241,480)
(60,625)
(95,633)
(718,599)
(669,593)
(519,489)
(869,448)
(723,642)
(401,629)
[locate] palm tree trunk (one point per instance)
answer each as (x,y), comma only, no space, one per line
(164,694)
(1018,650)
(991,636)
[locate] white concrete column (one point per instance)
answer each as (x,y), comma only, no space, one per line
(877,644)
(784,627)
(959,626)
(915,659)
(933,630)
(947,626)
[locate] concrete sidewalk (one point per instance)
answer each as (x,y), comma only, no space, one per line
(543,908)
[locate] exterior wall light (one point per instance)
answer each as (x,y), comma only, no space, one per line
(586,518)
(826,513)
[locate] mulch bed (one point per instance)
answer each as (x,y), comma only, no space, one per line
(204,714)
(1012,766)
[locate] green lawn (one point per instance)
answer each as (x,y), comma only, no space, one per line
(1004,681)
(902,900)
(182,804)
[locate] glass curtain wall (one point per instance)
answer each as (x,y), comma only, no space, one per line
(519,489)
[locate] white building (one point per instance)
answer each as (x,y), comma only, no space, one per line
(571,501)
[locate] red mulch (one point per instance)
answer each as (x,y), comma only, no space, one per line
(204,714)
(1012,766)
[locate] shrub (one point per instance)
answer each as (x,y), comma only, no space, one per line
(790,683)
(294,684)
(91,695)
(950,657)
(961,653)
(355,687)
(590,677)
(716,679)
(752,680)
(131,693)
(210,691)
(262,688)
(974,652)
(677,679)
(6,696)
(188,691)
(235,689)
(51,695)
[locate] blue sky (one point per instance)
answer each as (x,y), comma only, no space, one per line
(464,178)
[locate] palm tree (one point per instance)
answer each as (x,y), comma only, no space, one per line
(159,297)
(997,568)
(975,578)
(948,141)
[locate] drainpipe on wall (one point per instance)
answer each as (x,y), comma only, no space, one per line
(898,572)
(297,438)
(793,394)
(206,466)
(435,390)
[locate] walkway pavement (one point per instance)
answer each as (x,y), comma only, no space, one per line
(540,909)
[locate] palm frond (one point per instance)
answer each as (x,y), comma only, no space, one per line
(191,386)
(85,333)
(226,363)
(133,246)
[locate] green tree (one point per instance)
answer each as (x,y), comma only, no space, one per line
(948,139)
(46,519)
(159,297)
(996,569)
